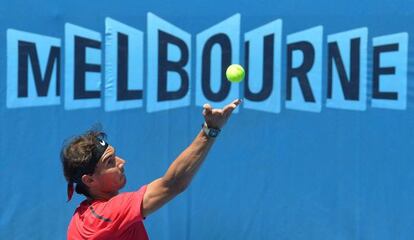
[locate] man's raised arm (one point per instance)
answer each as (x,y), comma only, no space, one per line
(182,170)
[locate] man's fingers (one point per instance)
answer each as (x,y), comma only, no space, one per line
(207,109)
(229,108)
(237,102)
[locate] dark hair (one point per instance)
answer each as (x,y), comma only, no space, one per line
(76,157)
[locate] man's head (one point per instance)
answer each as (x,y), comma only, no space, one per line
(90,163)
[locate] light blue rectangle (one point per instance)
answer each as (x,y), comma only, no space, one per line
(343,39)
(93,81)
(135,64)
(155,24)
(398,82)
(43,46)
(315,37)
(230,27)
(255,74)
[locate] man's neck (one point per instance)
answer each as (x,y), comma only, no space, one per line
(103,195)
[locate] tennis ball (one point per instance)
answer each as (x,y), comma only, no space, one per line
(235,73)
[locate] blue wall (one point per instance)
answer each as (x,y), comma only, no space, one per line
(285,167)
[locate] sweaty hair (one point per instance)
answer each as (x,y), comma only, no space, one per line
(77,158)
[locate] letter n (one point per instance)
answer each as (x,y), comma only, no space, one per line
(347,70)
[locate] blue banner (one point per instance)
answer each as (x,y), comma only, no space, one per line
(319,149)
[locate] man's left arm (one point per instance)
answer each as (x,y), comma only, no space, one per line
(185,166)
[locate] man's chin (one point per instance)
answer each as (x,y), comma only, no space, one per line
(124,180)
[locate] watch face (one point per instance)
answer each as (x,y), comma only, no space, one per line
(213,133)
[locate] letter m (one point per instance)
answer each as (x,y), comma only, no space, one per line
(33,69)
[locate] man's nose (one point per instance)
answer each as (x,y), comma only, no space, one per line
(121,162)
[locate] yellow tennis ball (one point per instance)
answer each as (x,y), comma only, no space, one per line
(235,73)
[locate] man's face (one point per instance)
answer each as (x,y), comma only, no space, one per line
(109,172)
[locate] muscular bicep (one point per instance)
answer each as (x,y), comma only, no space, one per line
(158,193)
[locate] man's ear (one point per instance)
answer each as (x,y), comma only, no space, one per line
(88,180)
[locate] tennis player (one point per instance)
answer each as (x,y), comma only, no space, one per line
(93,169)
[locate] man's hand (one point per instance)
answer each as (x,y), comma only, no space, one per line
(216,118)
